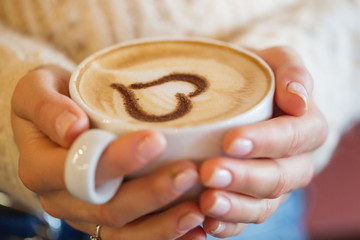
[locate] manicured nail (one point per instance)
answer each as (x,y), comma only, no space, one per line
(220,178)
(190,221)
(219,229)
(63,122)
(220,207)
(299,90)
(151,147)
(240,147)
(185,180)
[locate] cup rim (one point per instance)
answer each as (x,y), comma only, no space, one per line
(105,120)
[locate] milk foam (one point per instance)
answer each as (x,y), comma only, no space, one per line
(236,82)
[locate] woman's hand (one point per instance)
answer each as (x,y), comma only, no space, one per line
(46,121)
(267,160)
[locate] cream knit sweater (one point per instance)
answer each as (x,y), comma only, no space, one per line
(63,32)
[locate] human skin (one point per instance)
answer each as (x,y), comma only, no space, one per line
(265,162)
(269,159)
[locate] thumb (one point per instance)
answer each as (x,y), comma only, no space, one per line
(41,97)
(293,81)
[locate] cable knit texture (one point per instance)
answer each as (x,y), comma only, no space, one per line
(63,32)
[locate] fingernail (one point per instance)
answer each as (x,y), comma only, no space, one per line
(185,180)
(220,207)
(219,229)
(190,221)
(220,178)
(63,123)
(299,90)
(240,147)
(151,147)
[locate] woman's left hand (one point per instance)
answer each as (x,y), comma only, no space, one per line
(268,159)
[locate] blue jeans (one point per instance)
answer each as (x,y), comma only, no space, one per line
(286,223)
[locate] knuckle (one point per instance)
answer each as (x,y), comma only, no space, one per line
(267,210)
(42,108)
(106,216)
(294,137)
(298,70)
(162,192)
(48,207)
(247,178)
(281,184)
(295,143)
(159,191)
(165,186)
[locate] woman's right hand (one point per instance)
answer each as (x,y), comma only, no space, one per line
(46,121)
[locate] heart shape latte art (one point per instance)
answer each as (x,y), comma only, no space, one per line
(184,103)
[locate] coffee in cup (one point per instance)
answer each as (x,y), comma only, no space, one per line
(191,90)
(172,84)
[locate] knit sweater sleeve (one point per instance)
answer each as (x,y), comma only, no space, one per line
(81,27)
(19,54)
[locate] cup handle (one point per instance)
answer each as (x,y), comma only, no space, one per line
(80,167)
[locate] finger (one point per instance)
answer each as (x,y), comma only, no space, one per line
(42,97)
(167,225)
(134,199)
(294,83)
(260,178)
(151,193)
(125,155)
(278,137)
(37,153)
(237,208)
(221,229)
(129,153)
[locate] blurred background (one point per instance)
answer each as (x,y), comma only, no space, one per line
(334,195)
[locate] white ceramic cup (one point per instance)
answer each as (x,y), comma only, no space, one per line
(197,142)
